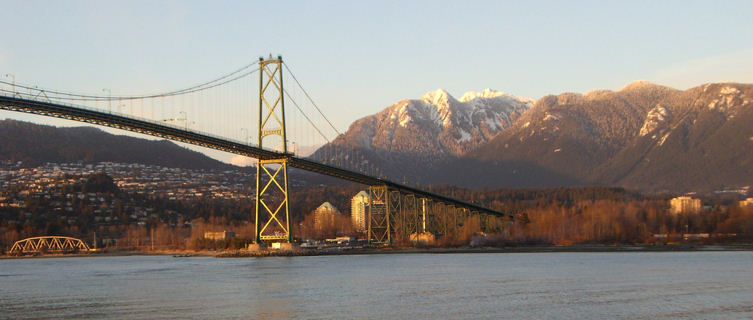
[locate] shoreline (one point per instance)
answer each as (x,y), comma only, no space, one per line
(470,250)
(390,250)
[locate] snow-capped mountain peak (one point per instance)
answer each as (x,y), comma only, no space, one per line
(439,124)
(439,98)
(490,94)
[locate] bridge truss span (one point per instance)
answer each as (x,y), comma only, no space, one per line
(58,244)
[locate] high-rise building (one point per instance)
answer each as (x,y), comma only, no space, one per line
(324,216)
(685,205)
(359,205)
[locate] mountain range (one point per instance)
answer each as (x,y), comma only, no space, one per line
(644,136)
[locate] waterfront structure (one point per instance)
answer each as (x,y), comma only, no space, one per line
(359,206)
(217,236)
(684,204)
(324,216)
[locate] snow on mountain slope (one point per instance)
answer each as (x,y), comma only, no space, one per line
(440,124)
(411,137)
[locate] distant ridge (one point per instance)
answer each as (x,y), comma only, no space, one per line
(36,144)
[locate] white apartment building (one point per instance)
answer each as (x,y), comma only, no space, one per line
(684,205)
(359,205)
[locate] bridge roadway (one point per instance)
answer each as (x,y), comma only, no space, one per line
(144,126)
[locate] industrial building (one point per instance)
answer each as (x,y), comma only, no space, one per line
(217,236)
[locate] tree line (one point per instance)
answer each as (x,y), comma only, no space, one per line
(558,216)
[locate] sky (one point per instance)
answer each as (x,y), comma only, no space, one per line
(357,57)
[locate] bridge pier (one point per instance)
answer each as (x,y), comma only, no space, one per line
(394,216)
(379,215)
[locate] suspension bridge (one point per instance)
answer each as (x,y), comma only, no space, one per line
(215,114)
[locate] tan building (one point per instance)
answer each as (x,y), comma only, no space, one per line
(684,205)
(746,202)
(217,236)
(324,215)
(359,205)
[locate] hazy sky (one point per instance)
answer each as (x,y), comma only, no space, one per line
(357,57)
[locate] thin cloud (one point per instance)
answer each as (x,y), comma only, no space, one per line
(729,67)
(241,161)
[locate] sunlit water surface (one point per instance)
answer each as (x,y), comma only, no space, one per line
(626,285)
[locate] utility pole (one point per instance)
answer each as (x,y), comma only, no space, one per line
(423,215)
(13,82)
(245,136)
(109,99)
(185,119)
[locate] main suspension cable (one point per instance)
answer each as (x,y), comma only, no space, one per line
(311,100)
(61,95)
(305,116)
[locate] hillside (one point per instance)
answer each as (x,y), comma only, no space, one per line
(36,144)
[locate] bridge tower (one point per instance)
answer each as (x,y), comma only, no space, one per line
(272,210)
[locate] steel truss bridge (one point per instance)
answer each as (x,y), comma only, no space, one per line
(48,244)
(395,209)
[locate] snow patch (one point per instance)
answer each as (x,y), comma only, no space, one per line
(404,121)
(486,93)
(550,116)
(729,90)
(494,123)
(664,138)
(493,94)
(464,136)
(404,116)
(654,118)
(726,99)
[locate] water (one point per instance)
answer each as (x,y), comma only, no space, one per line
(624,285)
